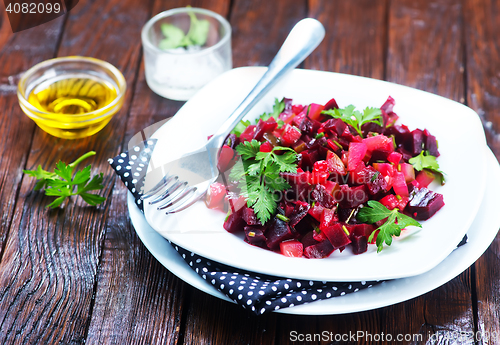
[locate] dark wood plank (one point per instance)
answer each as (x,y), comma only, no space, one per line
(51,257)
(137,299)
(482,22)
(425,51)
(18,53)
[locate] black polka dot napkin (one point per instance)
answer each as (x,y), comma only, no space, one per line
(256,292)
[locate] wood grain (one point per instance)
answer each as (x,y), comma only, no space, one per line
(51,257)
(425,51)
(18,53)
(355,37)
(482,22)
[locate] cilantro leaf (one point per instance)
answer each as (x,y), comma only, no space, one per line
(61,182)
(173,37)
(395,222)
(429,162)
(355,118)
(248,149)
(259,176)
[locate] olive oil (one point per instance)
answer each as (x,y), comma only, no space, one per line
(72,96)
(74,105)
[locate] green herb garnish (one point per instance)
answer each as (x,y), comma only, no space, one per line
(355,118)
(61,182)
(175,37)
(393,225)
(429,162)
(259,176)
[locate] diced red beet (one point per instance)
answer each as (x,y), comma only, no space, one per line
(334,126)
(416,142)
(292,248)
(308,239)
(337,236)
(331,104)
(236,202)
(308,158)
(362,230)
(335,164)
(299,183)
(226,156)
(249,216)
(314,111)
(357,152)
(399,184)
(255,235)
(379,142)
(290,135)
(300,211)
(374,181)
(359,244)
(266,147)
(215,195)
(319,250)
(234,222)
(351,197)
(328,218)
(394,157)
(424,178)
(232,141)
(430,144)
(385,169)
(264,126)
(319,236)
(316,211)
(408,172)
(322,197)
(299,118)
(331,186)
(248,133)
(406,154)
(279,231)
(390,201)
(400,132)
(424,203)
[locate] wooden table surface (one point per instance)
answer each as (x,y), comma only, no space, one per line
(81,275)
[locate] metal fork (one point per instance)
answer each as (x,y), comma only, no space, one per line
(198,169)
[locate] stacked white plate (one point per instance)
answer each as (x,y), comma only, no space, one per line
(419,261)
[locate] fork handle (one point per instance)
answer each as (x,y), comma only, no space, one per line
(305,36)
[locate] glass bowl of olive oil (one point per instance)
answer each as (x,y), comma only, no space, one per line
(71,97)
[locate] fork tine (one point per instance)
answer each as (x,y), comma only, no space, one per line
(185,205)
(177,198)
(163,182)
(168,192)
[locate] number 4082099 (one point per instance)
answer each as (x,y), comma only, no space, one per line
(33,8)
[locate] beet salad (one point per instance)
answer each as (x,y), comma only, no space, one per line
(306,180)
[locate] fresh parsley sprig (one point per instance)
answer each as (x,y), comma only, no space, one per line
(395,222)
(427,161)
(61,182)
(175,37)
(259,176)
(355,118)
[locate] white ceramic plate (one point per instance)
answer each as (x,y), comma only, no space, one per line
(480,235)
(461,143)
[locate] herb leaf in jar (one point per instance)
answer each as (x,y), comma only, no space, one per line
(175,38)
